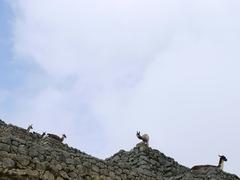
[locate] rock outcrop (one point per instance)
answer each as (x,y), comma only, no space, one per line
(23,155)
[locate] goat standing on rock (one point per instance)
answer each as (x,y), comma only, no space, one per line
(29,128)
(53,136)
(144,138)
(211,167)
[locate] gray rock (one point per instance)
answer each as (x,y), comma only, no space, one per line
(22,149)
(48,176)
(69,161)
(23,160)
(33,152)
(59,178)
(72,175)
(8,163)
(4,147)
(58,167)
(64,174)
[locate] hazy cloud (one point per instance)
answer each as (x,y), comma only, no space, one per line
(109,68)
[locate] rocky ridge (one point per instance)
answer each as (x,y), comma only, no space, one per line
(23,155)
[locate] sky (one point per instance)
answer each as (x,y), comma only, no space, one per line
(99,71)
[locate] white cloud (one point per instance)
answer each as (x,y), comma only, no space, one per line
(168,68)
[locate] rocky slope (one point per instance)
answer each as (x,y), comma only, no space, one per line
(25,155)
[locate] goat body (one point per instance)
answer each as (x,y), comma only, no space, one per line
(211,167)
(53,136)
(204,167)
(40,136)
(29,128)
(144,137)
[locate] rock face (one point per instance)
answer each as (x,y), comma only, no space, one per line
(25,156)
(147,161)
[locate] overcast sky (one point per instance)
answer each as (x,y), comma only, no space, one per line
(98,71)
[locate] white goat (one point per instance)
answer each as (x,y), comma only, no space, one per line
(144,138)
(29,127)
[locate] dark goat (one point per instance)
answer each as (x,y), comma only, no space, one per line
(207,167)
(40,136)
(53,136)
